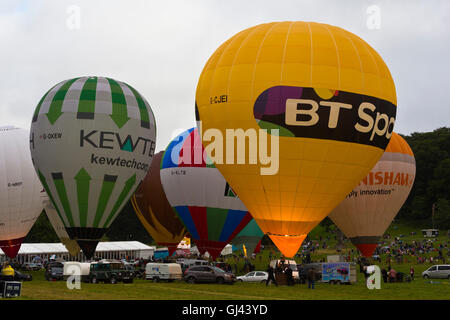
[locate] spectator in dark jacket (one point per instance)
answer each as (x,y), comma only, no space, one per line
(311,278)
(271,277)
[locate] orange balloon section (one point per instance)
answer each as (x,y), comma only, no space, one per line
(313,107)
(369,209)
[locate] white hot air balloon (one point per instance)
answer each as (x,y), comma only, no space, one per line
(21,193)
(92,141)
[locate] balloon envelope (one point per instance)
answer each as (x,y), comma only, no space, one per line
(331,98)
(20,190)
(365,214)
(197,191)
(154,211)
(71,245)
(92,141)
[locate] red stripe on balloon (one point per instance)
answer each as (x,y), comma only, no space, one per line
(198,215)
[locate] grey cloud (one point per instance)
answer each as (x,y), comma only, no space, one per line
(160,49)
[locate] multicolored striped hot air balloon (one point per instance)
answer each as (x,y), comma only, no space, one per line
(327,104)
(92,141)
(154,211)
(21,193)
(250,236)
(368,210)
(203,200)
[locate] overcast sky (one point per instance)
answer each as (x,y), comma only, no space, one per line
(160,48)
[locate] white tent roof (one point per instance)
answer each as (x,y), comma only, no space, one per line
(41,248)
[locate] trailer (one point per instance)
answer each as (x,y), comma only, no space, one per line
(339,272)
(163,271)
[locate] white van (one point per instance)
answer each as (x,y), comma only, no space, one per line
(187,263)
(163,271)
(82,267)
(440,271)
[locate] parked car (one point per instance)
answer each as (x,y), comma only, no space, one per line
(208,274)
(54,271)
(222,265)
(109,271)
(17,266)
(31,266)
(254,276)
(135,272)
(19,276)
(81,268)
(163,271)
(440,271)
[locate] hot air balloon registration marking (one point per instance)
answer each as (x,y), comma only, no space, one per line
(218,99)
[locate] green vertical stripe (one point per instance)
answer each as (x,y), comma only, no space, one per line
(119,105)
(86,104)
(54,112)
(83,179)
(47,189)
(38,108)
(107,187)
(122,197)
(216,219)
(145,121)
(58,180)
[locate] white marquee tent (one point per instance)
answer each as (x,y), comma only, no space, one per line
(105,250)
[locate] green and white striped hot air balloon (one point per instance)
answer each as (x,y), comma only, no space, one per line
(92,140)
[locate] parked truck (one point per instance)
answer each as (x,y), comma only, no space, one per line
(339,272)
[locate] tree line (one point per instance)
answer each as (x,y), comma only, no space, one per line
(430,195)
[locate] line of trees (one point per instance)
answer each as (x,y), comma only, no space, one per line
(432,183)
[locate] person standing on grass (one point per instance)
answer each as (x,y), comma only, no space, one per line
(311,278)
(290,279)
(384,274)
(271,277)
(411,272)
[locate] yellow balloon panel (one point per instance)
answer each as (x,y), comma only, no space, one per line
(332,99)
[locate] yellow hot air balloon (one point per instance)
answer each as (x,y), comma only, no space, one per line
(333,101)
(366,213)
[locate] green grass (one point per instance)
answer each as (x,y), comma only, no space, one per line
(419,289)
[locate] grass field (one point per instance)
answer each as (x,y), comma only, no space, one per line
(419,289)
